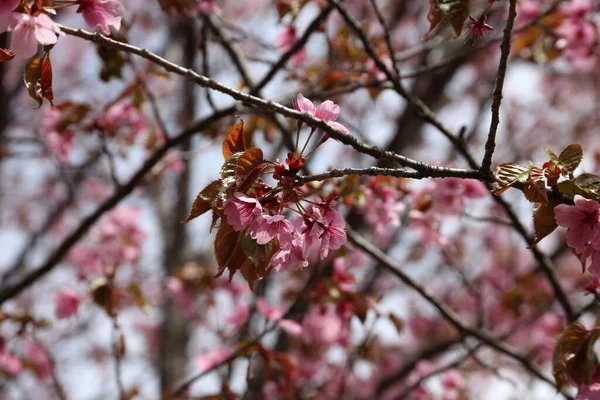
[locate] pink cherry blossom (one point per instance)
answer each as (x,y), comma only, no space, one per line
(286,40)
(292,258)
(9,364)
(327,231)
(28,32)
(205,362)
(7,6)
(66,303)
(123,120)
(238,318)
(269,312)
(576,8)
(184,299)
(101,14)
(60,143)
(271,227)
(304,105)
(241,211)
(38,359)
(328,111)
(591,391)
(582,220)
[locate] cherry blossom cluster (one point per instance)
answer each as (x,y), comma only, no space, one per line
(582,221)
(32,26)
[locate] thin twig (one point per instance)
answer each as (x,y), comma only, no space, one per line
(490,144)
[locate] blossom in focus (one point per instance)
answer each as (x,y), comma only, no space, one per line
(581,221)
(272,227)
(7,6)
(101,14)
(286,40)
(242,211)
(28,31)
(328,111)
(66,303)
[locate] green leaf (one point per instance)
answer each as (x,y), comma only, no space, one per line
(553,157)
(570,158)
(137,294)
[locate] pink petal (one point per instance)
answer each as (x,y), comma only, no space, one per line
(328,111)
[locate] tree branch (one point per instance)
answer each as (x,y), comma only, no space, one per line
(490,144)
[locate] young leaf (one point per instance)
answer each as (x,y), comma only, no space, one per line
(456,12)
(249,167)
(543,220)
(6,55)
(567,346)
(137,294)
(398,323)
(553,157)
(46,79)
(535,188)
(570,158)
(32,75)
(226,247)
(507,174)
(234,141)
(205,200)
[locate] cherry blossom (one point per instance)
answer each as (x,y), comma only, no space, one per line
(582,221)
(328,111)
(28,32)
(242,211)
(101,14)
(66,303)
(7,6)
(61,143)
(286,40)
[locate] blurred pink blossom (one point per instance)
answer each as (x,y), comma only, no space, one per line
(7,6)
(66,303)
(101,14)
(286,40)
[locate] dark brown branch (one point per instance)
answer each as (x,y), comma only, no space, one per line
(439,172)
(490,144)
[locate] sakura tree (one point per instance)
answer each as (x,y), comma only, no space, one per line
(299,199)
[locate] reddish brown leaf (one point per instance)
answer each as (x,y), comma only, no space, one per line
(6,55)
(226,247)
(567,346)
(543,220)
(570,158)
(32,75)
(398,323)
(46,79)
(234,141)
(535,188)
(453,11)
(205,200)
(507,174)
(71,113)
